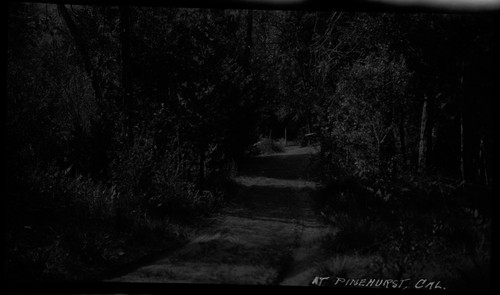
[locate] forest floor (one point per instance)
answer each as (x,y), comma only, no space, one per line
(267,234)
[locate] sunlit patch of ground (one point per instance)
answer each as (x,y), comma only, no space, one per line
(274,182)
(293,150)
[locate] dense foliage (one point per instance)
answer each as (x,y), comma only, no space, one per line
(135,117)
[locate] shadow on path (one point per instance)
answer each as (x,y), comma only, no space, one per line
(268,234)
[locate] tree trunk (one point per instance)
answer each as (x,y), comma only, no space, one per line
(402,140)
(378,142)
(396,144)
(402,132)
(462,108)
(125,58)
(201,170)
(82,48)
(429,132)
(248,42)
(396,147)
(422,147)
(379,158)
(347,155)
(180,167)
(482,159)
(462,164)
(433,140)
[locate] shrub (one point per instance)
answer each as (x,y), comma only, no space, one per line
(269,146)
(474,271)
(132,166)
(361,234)
(147,229)
(61,220)
(180,200)
(347,266)
(29,262)
(71,197)
(170,196)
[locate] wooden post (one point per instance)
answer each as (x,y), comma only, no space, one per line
(285,136)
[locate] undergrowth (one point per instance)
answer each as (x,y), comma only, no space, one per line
(63,225)
(267,146)
(414,227)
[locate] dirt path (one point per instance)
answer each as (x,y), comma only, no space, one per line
(268,235)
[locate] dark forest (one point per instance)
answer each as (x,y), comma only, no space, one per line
(249,146)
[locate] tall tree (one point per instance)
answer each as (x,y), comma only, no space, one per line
(125,58)
(248,41)
(84,52)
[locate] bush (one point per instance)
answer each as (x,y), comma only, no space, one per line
(41,262)
(361,234)
(474,271)
(57,219)
(416,226)
(347,266)
(132,166)
(71,197)
(267,146)
(181,200)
